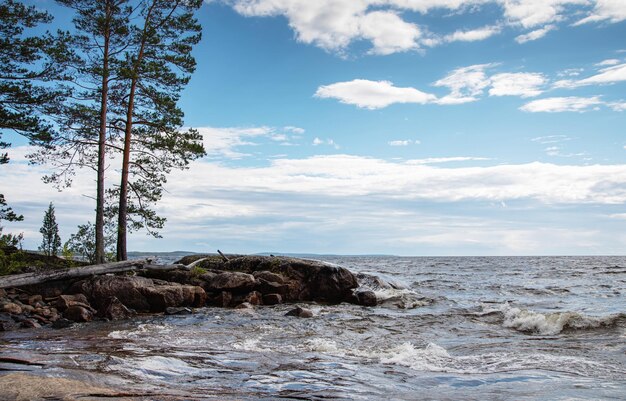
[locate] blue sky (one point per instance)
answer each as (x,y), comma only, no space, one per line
(411,127)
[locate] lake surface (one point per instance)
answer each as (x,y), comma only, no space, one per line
(472,328)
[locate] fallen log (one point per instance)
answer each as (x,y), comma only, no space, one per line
(18,280)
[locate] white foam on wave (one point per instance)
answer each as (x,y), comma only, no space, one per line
(553,323)
(250,345)
(323,345)
(403,299)
(141,331)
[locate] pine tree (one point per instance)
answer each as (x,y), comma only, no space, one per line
(28,66)
(50,230)
(157,67)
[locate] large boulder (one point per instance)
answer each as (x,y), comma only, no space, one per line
(294,279)
(139,293)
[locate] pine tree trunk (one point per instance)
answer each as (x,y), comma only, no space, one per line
(122,220)
(100,256)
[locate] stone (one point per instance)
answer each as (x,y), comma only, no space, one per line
(300,312)
(34,299)
(12,307)
(7,323)
(62,323)
(65,301)
(30,324)
(272,299)
(268,287)
(231,281)
(367,298)
(3,293)
(254,298)
(113,309)
(223,299)
(244,305)
(140,293)
(178,311)
(78,313)
(269,276)
(27,309)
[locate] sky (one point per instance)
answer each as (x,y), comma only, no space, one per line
(406,127)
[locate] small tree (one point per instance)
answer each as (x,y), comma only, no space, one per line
(83,243)
(50,231)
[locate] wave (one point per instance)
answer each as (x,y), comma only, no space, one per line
(529,321)
(390,292)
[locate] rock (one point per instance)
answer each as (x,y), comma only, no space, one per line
(244,305)
(12,307)
(113,309)
(300,312)
(65,301)
(30,324)
(46,312)
(267,287)
(272,299)
(34,299)
(140,293)
(367,298)
(178,311)
(62,323)
(3,293)
(231,281)
(269,276)
(7,323)
(254,298)
(40,319)
(78,313)
(27,309)
(223,299)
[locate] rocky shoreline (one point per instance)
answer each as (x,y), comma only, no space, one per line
(196,281)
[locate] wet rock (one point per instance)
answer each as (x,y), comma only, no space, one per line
(33,300)
(62,323)
(178,311)
(223,299)
(231,281)
(78,313)
(65,301)
(7,323)
(254,298)
(12,307)
(113,309)
(244,305)
(272,299)
(269,276)
(30,324)
(367,298)
(47,312)
(40,319)
(300,312)
(267,287)
(3,293)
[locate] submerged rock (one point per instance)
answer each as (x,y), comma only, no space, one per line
(300,312)
(272,299)
(178,311)
(367,298)
(114,309)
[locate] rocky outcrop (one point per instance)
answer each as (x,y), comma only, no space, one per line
(139,293)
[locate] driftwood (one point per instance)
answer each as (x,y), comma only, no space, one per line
(223,256)
(18,280)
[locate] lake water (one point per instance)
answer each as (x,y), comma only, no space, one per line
(472,328)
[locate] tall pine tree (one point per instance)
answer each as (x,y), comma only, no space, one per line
(157,67)
(51,243)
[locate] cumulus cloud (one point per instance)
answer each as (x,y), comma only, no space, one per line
(335,24)
(465,84)
(605,76)
(561,104)
(517,84)
(330,142)
(611,61)
(372,94)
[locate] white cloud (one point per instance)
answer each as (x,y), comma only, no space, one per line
(403,142)
(225,142)
(532,13)
(372,94)
(517,84)
(611,10)
(562,104)
(465,84)
(548,139)
(618,106)
(609,75)
(534,35)
(389,33)
(473,35)
(438,160)
(611,61)
(331,142)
